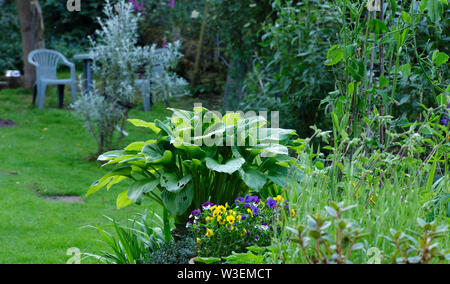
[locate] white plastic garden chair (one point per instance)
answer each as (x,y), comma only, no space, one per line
(46,62)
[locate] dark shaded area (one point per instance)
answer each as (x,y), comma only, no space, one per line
(7,123)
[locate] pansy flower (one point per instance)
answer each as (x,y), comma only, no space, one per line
(265,226)
(207,205)
(209,233)
(239,200)
(271,203)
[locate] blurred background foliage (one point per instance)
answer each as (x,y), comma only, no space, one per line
(247,54)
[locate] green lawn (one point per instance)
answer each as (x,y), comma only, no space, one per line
(45,154)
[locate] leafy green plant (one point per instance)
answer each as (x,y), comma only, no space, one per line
(417,248)
(10,47)
(288,74)
(198,156)
(174,252)
(380,63)
(324,241)
(133,244)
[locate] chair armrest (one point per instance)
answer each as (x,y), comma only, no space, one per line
(72,68)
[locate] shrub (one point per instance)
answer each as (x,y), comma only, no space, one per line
(175,252)
(288,73)
(10,42)
(117,63)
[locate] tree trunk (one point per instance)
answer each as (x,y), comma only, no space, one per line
(32,32)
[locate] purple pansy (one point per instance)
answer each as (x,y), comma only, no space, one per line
(271,203)
(196,212)
(254,210)
(239,200)
(251,199)
(207,204)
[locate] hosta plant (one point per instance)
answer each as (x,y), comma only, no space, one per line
(197,156)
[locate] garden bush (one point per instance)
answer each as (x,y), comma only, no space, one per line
(10,42)
(118,63)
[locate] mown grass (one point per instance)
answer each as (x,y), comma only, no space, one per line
(45,154)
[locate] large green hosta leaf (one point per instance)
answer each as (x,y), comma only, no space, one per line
(229,167)
(139,188)
(111,155)
(253,178)
(155,154)
(177,203)
(150,125)
(105,180)
(171,182)
(123,200)
(269,150)
(278,175)
(274,135)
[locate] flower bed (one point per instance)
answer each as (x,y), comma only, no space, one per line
(222,229)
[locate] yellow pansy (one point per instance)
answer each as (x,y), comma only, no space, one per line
(250,211)
(216,212)
(221,220)
(229,227)
(279,198)
(292,213)
(244,231)
(230,219)
(213,208)
(209,233)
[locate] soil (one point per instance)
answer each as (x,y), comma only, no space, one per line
(6,123)
(64,198)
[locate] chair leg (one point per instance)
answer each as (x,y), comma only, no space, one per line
(61,95)
(34,93)
(41,95)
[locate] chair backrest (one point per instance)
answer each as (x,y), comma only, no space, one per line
(46,62)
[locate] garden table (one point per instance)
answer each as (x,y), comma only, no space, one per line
(87,58)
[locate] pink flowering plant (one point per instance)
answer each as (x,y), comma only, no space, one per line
(221,230)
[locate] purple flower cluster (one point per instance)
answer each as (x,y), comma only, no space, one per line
(249,202)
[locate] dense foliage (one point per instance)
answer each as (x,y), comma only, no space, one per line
(10,48)
(289,75)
